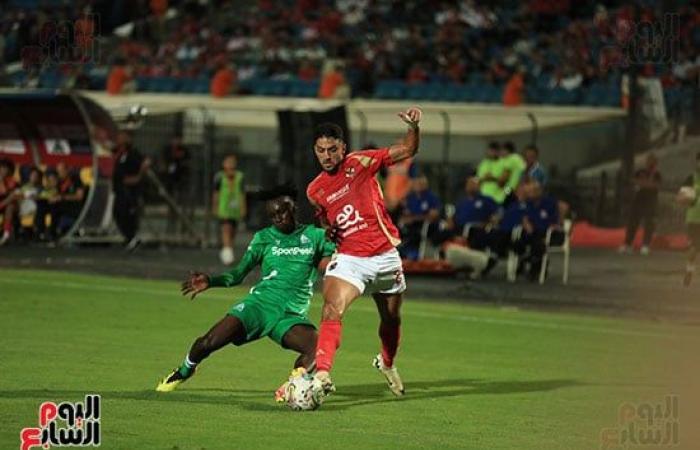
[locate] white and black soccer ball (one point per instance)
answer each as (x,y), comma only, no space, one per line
(686,195)
(300,396)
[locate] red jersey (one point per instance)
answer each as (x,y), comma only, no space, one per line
(352,199)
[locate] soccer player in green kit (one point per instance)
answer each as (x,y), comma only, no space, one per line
(289,254)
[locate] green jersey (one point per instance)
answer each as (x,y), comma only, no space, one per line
(516,165)
(230,195)
(495,167)
(692,214)
(288,266)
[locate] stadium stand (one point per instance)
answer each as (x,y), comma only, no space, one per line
(570,53)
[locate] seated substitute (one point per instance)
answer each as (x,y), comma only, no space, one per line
(542,214)
(421,205)
(478,211)
(63,203)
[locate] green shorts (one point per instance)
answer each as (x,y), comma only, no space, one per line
(261,319)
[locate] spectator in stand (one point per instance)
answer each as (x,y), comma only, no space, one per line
(307,71)
(513,168)
(229,203)
(224,81)
(643,209)
(490,170)
(333,83)
(8,202)
(533,169)
(513,94)
(421,206)
(121,80)
(417,74)
(542,214)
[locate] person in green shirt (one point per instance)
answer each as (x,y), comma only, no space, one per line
(229,204)
(692,218)
(289,255)
(513,168)
(489,173)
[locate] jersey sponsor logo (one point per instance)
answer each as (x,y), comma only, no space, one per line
(292,251)
(342,192)
(350,221)
(348,217)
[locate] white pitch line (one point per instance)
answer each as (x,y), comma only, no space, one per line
(364,309)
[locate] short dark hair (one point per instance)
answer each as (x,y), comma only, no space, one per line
(329,130)
(494,145)
(509,146)
(281,190)
(7,162)
(532,147)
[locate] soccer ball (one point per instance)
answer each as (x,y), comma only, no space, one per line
(300,396)
(686,195)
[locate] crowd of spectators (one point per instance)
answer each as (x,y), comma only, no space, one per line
(520,47)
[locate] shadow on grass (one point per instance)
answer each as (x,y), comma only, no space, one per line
(348,396)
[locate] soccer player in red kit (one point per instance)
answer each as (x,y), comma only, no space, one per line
(349,203)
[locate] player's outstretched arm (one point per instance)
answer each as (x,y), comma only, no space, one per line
(408,146)
(196,283)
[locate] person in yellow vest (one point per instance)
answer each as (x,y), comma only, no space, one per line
(229,205)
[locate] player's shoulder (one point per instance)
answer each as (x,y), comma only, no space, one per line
(263,236)
(315,185)
(312,231)
(367,154)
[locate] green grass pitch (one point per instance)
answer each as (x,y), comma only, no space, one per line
(476,377)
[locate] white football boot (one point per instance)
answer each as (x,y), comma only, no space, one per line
(391,375)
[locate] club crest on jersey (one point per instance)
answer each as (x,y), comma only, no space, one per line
(349,172)
(304,240)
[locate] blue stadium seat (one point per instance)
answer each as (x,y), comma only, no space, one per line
(301,88)
(417,92)
(390,89)
(50,79)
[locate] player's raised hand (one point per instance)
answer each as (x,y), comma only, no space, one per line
(411,116)
(196,283)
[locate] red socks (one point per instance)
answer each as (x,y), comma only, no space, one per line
(328,342)
(390,336)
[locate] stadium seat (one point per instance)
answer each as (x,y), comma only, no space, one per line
(513,257)
(50,79)
(417,92)
(564,248)
(301,88)
(164,84)
(390,89)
